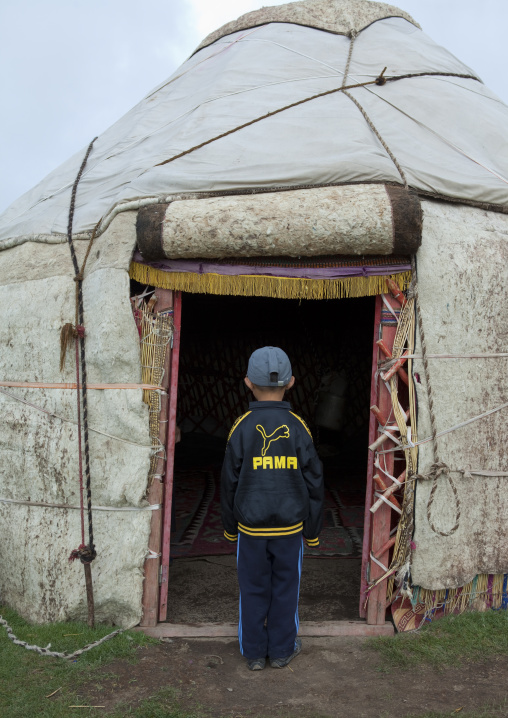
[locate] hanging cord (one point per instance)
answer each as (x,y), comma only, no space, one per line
(80,452)
(86,553)
(438,467)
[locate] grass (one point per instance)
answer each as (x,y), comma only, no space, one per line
(27,679)
(452,640)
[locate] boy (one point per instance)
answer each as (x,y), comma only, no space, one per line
(271,494)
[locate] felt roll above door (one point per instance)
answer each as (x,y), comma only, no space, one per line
(361,219)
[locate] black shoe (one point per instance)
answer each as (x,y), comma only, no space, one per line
(256,664)
(281,662)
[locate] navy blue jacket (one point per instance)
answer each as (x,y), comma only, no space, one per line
(272,478)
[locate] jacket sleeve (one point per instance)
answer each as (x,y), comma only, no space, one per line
(229,482)
(312,469)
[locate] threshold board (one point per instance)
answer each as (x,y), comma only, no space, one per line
(230,630)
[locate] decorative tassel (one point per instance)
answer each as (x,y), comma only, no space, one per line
(68,334)
(403,580)
(483,592)
(263,286)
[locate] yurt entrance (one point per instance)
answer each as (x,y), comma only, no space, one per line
(330,346)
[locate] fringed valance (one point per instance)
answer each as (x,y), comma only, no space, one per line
(322,278)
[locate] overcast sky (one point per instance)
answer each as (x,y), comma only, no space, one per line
(70,68)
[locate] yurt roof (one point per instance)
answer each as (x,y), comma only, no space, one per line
(341,18)
(433,125)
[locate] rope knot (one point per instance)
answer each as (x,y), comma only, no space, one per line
(84,553)
(381,80)
(435,471)
(80,331)
(67,335)
(79,277)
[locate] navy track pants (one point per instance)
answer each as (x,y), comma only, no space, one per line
(269,573)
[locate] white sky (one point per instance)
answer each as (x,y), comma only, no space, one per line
(70,68)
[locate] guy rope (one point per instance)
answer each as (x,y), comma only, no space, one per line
(85,552)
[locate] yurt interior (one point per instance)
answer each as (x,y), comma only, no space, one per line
(329,343)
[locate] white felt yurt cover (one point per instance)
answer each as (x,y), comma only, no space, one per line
(429,123)
(443,134)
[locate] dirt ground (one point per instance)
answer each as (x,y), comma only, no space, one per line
(336,677)
(206,590)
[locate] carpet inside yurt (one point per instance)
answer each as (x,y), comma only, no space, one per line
(330,346)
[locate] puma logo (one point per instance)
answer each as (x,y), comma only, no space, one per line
(282,432)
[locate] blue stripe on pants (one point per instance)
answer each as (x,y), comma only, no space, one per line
(269,573)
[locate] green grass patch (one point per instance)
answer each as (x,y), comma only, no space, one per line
(26,677)
(450,641)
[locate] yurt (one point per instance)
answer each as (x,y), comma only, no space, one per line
(319,176)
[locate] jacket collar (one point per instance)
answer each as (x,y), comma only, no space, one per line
(269,405)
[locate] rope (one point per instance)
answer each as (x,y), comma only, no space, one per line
(55,654)
(453,428)
(438,468)
(378,81)
(376,132)
(80,453)
(493,355)
(43,504)
(71,421)
(70,385)
(86,553)
(352,37)
(409,76)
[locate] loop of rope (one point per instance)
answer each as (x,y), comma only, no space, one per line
(438,467)
(55,654)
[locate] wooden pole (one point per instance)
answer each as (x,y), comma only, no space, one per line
(89,594)
(369,493)
(402,374)
(170,454)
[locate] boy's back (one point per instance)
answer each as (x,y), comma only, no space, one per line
(271,495)
(271,482)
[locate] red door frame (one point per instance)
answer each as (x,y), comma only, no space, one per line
(369,491)
(170,458)
(376,526)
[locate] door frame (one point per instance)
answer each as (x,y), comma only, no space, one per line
(376,526)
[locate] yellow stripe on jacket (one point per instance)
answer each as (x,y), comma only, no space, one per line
(271,532)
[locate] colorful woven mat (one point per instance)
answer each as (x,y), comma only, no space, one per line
(198,529)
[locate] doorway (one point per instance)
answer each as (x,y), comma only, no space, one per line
(329,343)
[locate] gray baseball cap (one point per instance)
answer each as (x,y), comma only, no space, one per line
(269,366)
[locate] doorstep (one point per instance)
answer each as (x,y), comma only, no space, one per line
(230,630)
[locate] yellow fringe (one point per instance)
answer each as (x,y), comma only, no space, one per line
(473,596)
(262,286)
